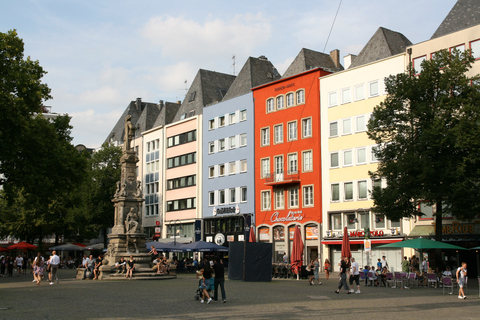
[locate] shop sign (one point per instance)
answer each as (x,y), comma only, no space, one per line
(280,247)
(311,233)
(219,239)
(158,229)
(230,238)
(290,217)
(264,234)
(241,237)
(377,233)
(225,210)
(367,244)
(461,228)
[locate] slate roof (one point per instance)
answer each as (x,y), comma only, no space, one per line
(207,88)
(464,14)
(255,72)
(309,59)
(145,116)
(384,43)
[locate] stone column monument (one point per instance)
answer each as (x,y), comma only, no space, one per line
(127,237)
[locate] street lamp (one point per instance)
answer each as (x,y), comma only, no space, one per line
(175,230)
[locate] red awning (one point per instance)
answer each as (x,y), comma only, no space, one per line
(373,241)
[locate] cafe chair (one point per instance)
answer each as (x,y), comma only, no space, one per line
(413,277)
(432,279)
(398,279)
(390,279)
(448,283)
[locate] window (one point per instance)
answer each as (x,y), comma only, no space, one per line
(347,126)
(359,92)
(232,118)
(265,136)
(417,64)
(379,221)
(362,189)
(211,198)
(460,47)
(211,172)
(182,160)
(475,46)
(265,200)
(373,88)
(270,105)
(333,129)
(211,147)
(279,199)
(347,158)
(292,130)
(346,95)
(377,183)
(364,219)
(290,100)
(332,99)
(243,115)
(265,165)
(337,221)
(334,163)
(395,223)
(279,165)
(232,142)
(221,170)
(232,167)
(306,127)
(211,124)
(280,102)
(181,204)
(374,157)
(335,192)
(221,121)
(293,197)
(182,138)
(307,196)
(300,96)
(292,163)
(360,123)
(307,160)
(232,195)
(348,190)
(181,182)
(361,155)
(243,194)
(243,165)
(278,133)
(221,196)
(221,145)
(243,140)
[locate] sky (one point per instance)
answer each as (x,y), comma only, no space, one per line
(100,55)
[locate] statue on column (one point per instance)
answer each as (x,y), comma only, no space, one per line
(131,223)
(129,133)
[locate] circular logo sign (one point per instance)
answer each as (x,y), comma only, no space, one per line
(219,239)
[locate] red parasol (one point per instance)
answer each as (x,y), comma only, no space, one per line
(251,237)
(297,251)
(22,246)
(3,249)
(346,252)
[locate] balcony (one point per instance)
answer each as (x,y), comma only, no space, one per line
(282,178)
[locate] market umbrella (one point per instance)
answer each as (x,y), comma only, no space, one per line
(164,247)
(202,246)
(421,244)
(97,246)
(22,246)
(346,252)
(475,248)
(297,252)
(3,249)
(251,237)
(66,247)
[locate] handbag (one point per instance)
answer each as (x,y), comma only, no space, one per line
(308,268)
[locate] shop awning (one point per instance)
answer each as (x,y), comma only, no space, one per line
(373,241)
(422,231)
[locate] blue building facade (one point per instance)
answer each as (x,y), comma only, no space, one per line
(228,170)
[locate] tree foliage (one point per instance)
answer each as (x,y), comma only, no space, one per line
(428,136)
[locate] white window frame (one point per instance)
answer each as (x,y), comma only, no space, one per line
(292,129)
(265,136)
(221,121)
(332,99)
(232,167)
(290,99)
(292,163)
(279,195)
(344,127)
(243,140)
(475,44)
(307,196)
(211,124)
(307,162)
(373,93)
(232,141)
(300,96)
(220,167)
(361,88)
(243,163)
(270,104)
(280,102)
(345,191)
(338,160)
(221,145)
(210,194)
(232,191)
(307,127)
(220,193)
(330,129)
(372,155)
(266,200)
(359,189)
(243,115)
(232,118)
(293,197)
(211,172)
(278,133)
(346,95)
(344,152)
(337,185)
(358,153)
(357,129)
(211,147)
(242,192)
(265,167)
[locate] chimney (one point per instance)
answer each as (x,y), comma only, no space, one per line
(335,55)
(348,60)
(138,104)
(161,104)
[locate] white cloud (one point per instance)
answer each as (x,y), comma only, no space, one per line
(182,38)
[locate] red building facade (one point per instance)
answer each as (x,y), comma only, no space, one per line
(288,184)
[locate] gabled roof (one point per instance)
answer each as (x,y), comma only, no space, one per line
(309,59)
(208,87)
(168,110)
(464,14)
(384,43)
(255,72)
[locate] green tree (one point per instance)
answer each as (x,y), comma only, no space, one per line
(428,136)
(21,96)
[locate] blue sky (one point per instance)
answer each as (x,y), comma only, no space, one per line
(100,55)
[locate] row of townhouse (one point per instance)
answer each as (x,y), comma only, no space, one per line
(272,151)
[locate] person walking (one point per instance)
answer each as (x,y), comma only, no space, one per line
(461,275)
(405,265)
(356,275)
(54,262)
(38,268)
(205,282)
(310,271)
(19,262)
(343,276)
(327,267)
(316,271)
(219,270)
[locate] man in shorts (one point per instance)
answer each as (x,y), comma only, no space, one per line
(461,276)
(356,275)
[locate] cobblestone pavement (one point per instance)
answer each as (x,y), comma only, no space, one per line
(174,299)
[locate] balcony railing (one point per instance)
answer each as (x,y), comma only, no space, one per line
(275,178)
